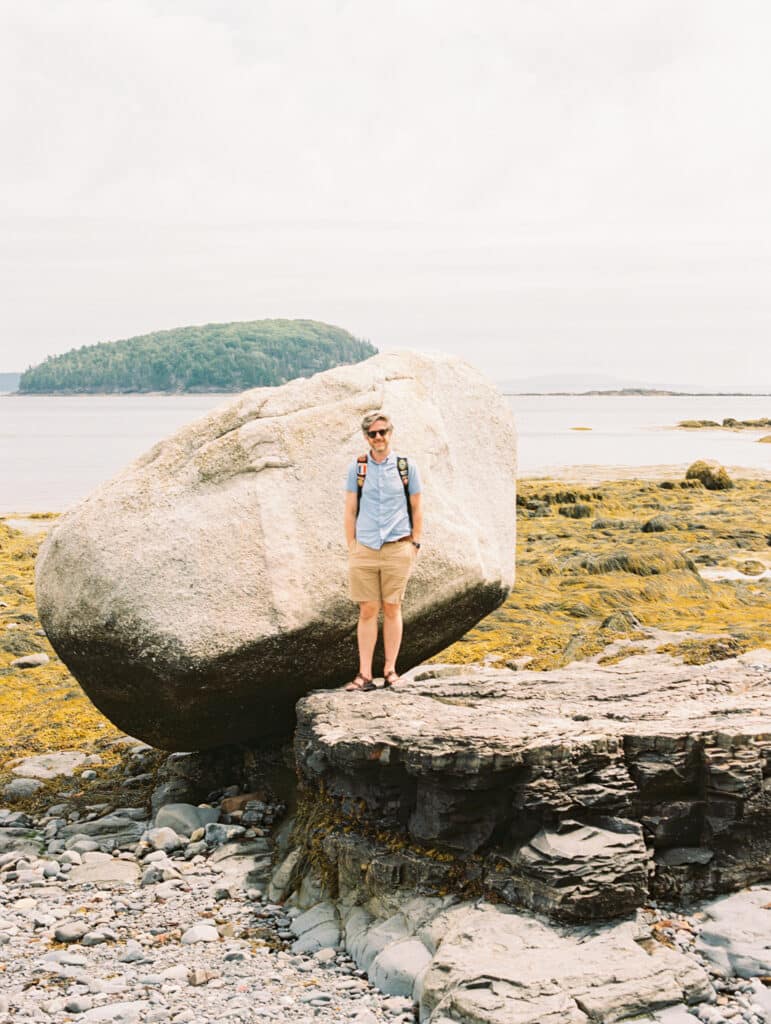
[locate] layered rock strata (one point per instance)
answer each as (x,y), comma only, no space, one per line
(580,793)
(203,590)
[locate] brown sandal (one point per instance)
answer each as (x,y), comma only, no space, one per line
(391,678)
(360,682)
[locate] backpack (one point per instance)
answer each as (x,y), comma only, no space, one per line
(404,472)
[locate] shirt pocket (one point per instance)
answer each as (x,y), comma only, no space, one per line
(393,481)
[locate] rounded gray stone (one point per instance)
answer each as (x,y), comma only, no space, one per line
(185,819)
(200,933)
(21,789)
(30,661)
(71,931)
(164,839)
(79,1005)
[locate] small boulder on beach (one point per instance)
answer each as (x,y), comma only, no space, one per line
(50,765)
(202,591)
(21,789)
(31,660)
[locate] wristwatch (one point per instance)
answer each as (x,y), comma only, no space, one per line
(416,544)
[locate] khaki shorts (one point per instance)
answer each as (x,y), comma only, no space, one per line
(380,575)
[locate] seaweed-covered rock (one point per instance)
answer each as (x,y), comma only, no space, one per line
(621,621)
(659,524)
(651,562)
(751,567)
(577,511)
(714,476)
(202,591)
(605,523)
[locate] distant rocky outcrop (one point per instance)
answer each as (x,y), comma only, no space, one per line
(202,591)
(729,423)
(581,793)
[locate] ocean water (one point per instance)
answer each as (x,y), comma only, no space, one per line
(55,449)
(634,433)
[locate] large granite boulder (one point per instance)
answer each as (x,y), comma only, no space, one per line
(581,793)
(198,594)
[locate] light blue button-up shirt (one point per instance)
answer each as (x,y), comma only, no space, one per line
(383,514)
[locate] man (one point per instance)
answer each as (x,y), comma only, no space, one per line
(383,536)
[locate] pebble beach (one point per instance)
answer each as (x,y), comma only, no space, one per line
(156,932)
(159,932)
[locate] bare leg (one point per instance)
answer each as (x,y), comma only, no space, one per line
(392,635)
(366,633)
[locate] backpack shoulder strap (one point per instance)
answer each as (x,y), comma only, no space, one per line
(361,476)
(403,465)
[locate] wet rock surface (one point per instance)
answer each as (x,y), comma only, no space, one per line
(580,793)
(202,591)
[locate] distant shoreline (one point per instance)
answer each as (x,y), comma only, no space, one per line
(118,394)
(637,393)
(623,393)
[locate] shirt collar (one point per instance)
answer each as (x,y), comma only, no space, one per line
(389,458)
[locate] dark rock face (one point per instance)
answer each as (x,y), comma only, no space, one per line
(580,793)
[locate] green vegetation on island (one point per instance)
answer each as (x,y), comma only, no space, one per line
(211,357)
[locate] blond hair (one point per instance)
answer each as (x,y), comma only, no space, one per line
(373,417)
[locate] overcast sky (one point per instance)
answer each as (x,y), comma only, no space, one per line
(537,185)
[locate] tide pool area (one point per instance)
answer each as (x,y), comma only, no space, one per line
(55,449)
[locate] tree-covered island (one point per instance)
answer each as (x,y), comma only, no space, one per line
(211,357)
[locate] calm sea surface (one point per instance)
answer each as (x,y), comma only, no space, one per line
(54,450)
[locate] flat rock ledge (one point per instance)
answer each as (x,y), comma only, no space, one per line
(477,964)
(582,793)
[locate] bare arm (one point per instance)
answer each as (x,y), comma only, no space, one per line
(416,503)
(349,519)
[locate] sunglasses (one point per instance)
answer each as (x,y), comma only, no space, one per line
(379,433)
